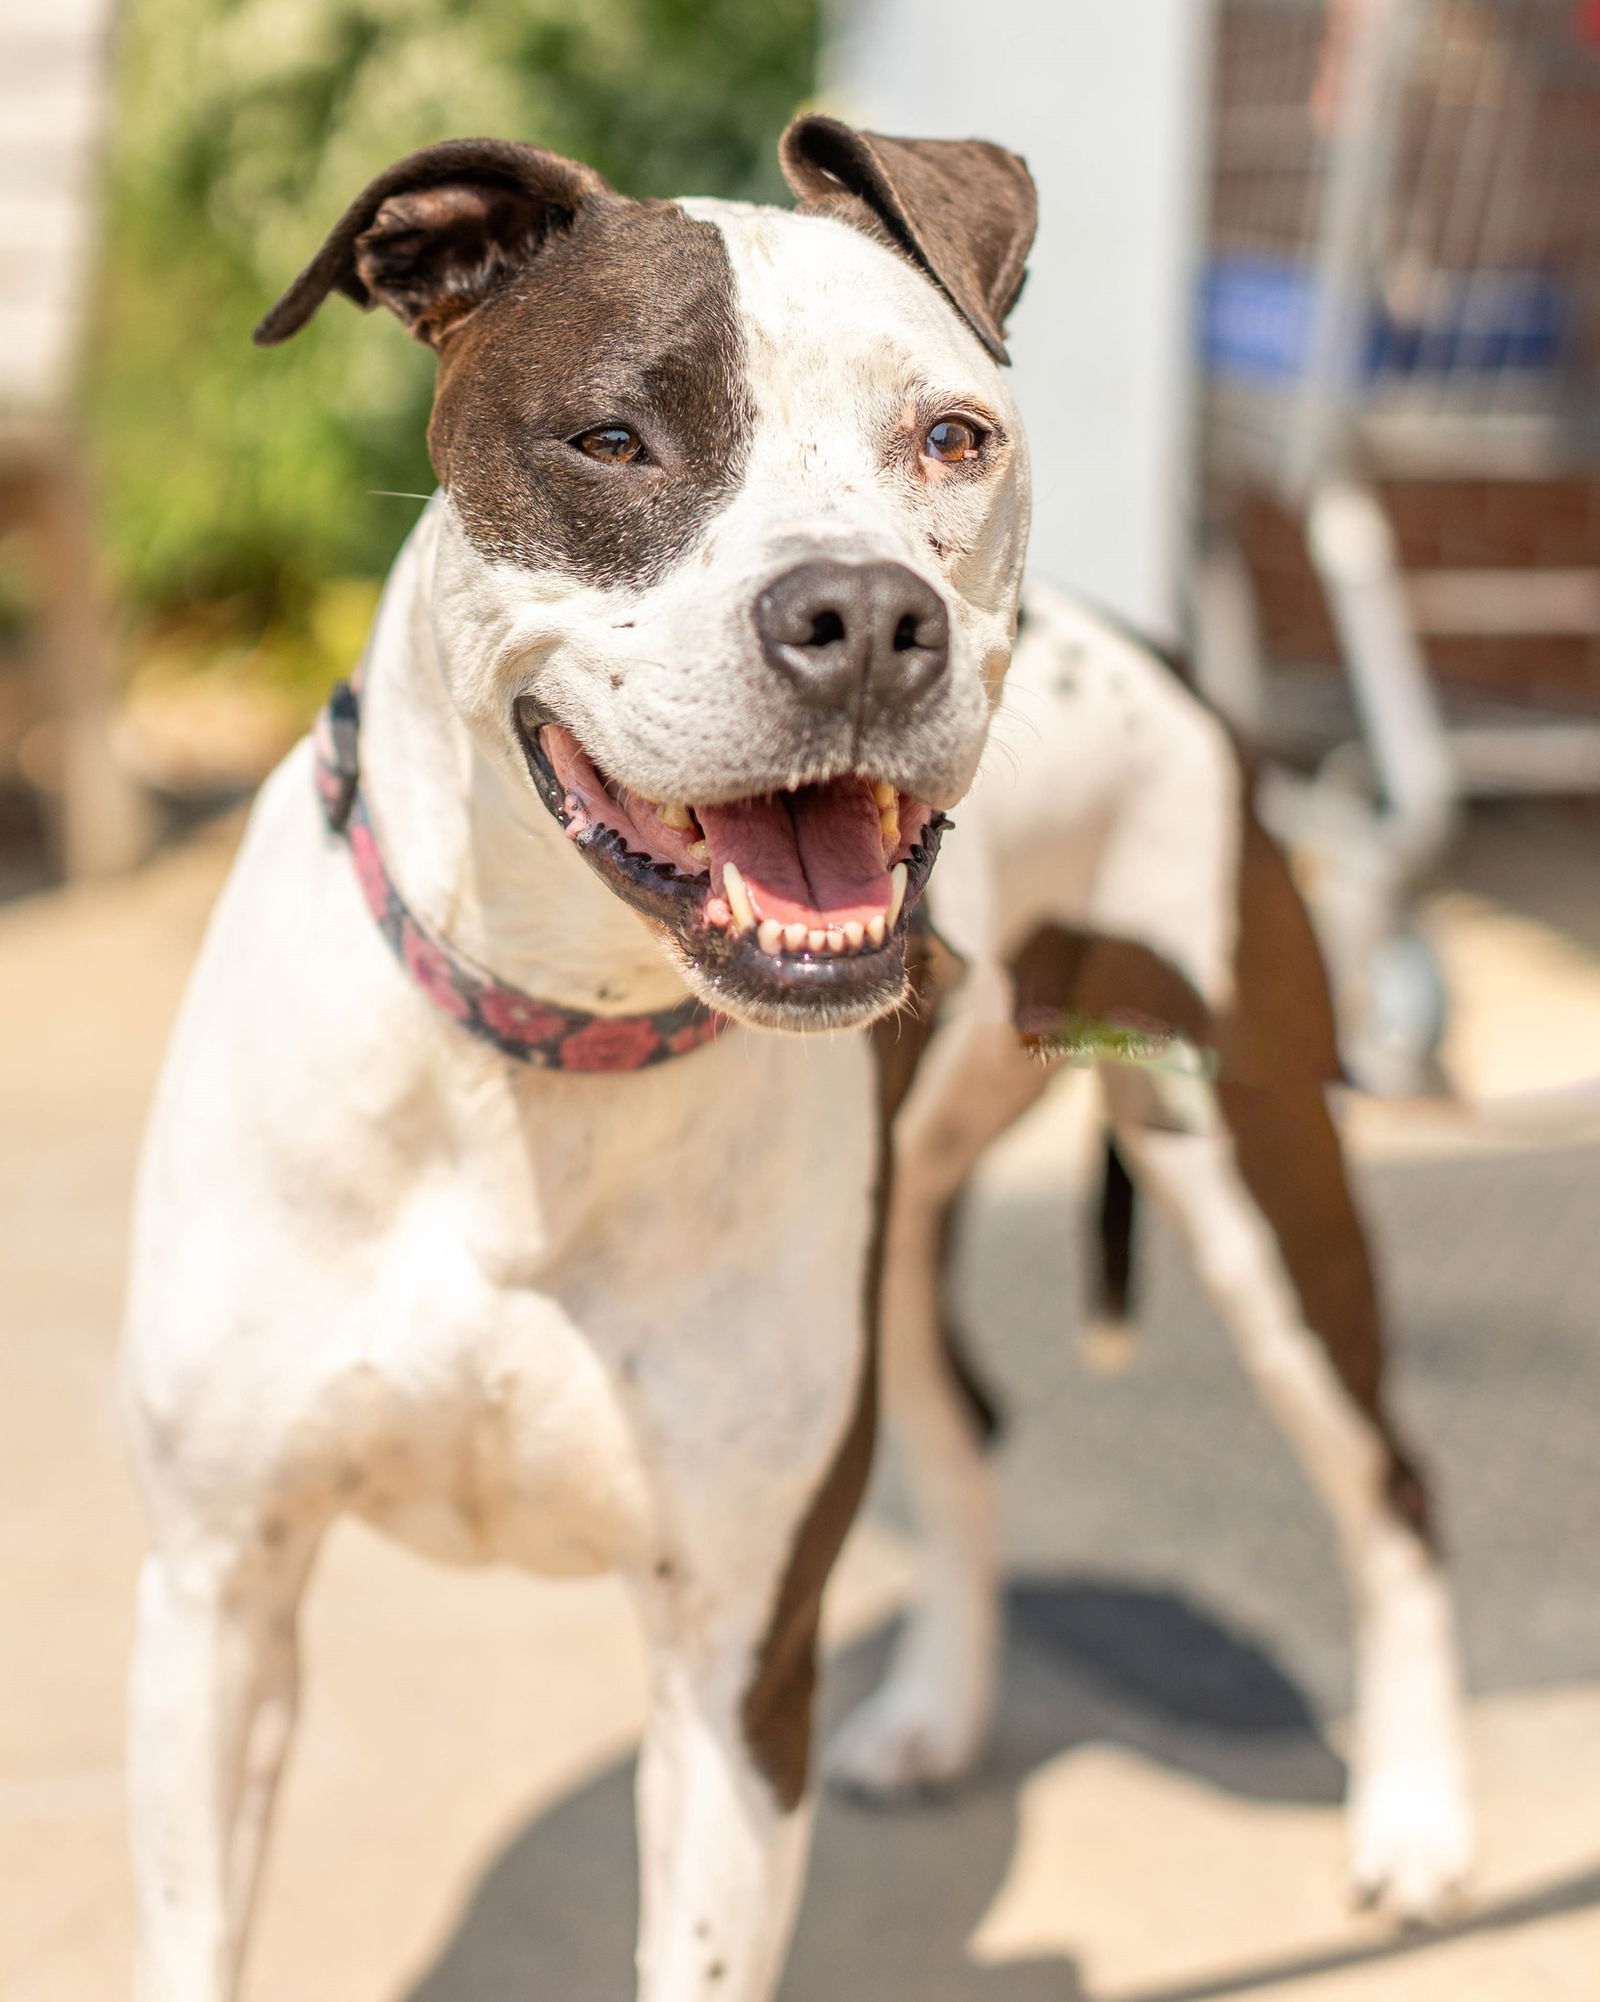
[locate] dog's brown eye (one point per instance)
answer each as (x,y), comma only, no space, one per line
(953,439)
(616,444)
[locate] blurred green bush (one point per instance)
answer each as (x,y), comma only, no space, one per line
(243,490)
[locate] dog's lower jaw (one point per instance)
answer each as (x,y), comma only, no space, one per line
(732,983)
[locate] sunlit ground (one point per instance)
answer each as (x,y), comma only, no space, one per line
(1158,1819)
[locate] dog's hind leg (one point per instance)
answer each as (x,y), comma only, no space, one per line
(927,1722)
(1263,1204)
(212,1708)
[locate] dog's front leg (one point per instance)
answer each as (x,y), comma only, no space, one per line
(725,1804)
(926,1723)
(213,1702)
(722,1857)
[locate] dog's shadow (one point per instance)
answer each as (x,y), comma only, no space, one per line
(894,1896)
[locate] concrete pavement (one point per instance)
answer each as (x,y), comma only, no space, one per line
(1158,1823)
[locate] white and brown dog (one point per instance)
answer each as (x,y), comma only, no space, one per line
(455,1213)
(478,1202)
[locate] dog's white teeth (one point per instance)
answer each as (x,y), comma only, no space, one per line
(698,852)
(897,893)
(675,814)
(884,795)
(775,938)
(744,912)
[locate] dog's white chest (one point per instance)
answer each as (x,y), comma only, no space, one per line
(530,1460)
(517,1317)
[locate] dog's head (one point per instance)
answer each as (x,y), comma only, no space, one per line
(736,507)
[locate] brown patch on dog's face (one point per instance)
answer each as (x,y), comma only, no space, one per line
(558,309)
(626,320)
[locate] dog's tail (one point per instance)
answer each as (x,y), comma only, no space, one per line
(1109,1331)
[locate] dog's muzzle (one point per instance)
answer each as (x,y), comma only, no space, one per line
(788,906)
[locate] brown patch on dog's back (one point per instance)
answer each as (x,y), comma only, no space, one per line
(1281,1025)
(628,316)
(1277,1053)
(1061,972)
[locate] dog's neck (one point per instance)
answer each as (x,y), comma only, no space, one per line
(468,843)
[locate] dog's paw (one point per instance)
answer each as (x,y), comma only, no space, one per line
(905,1739)
(1411,1847)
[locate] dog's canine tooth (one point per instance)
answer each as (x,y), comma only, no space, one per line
(854,932)
(875,928)
(744,912)
(889,827)
(794,938)
(884,795)
(769,936)
(816,940)
(897,894)
(675,814)
(835,939)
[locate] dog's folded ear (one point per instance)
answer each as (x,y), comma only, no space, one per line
(435,235)
(961,209)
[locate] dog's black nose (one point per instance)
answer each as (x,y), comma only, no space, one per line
(867,638)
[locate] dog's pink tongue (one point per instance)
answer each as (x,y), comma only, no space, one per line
(812,857)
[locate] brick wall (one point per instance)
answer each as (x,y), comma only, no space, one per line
(1449,525)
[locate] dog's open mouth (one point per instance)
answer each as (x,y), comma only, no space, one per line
(800,896)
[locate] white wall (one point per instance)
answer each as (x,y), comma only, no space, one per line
(1106,99)
(52,109)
